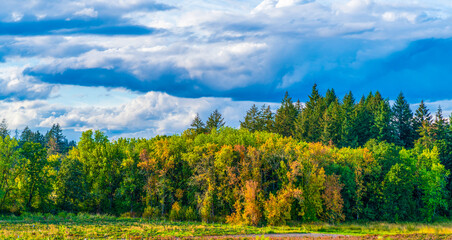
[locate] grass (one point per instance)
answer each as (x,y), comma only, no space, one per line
(70,226)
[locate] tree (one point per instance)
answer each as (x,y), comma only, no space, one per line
(309,122)
(349,134)
(402,121)
(4,129)
(198,125)
(56,141)
(383,126)
(266,119)
(422,121)
(439,129)
(333,200)
(285,117)
(252,119)
(215,121)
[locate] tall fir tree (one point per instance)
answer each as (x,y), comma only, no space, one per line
(383,124)
(198,125)
(440,128)
(402,122)
(252,119)
(363,122)
(332,124)
(4,132)
(422,121)
(285,117)
(309,123)
(349,133)
(267,118)
(215,121)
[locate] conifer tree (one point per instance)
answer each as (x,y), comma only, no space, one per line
(363,122)
(332,124)
(252,119)
(215,121)
(349,135)
(266,119)
(383,125)
(4,132)
(285,117)
(309,123)
(198,125)
(422,120)
(402,121)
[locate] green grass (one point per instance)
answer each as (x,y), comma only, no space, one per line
(69,226)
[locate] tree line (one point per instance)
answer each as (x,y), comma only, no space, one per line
(326,160)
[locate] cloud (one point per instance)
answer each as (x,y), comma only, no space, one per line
(69,27)
(251,51)
(147,115)
(15,86)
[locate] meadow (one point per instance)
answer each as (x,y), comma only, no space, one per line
(71,226)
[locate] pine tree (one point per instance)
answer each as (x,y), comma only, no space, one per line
(56,141)
(309,125)
(349,135)
(385,130)
(215,121)
(285,117)
(332,124)
(198,125)
(266,119)
(402,121)
(422,119)
(440,125)
(363,122)
(252,119)
(4,132)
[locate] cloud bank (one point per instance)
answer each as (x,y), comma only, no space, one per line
(191,51)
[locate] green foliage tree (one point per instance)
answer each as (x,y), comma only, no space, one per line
(198,125)
(4,132)
(285,117)
(403,123)
(215,121)
(309,122)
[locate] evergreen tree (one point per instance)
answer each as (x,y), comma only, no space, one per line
(363,122)
(285,117)
(56,141)
(198,125)
(309,123)
(215,121)
(266,119)
(349,135)
(422,120)
(440,129)
(402,121)
(383,125)
(4,132)
(252,119)
(332,124)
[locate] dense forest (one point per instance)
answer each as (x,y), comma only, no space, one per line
(328,159)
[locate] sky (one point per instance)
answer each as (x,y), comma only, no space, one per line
(140,68)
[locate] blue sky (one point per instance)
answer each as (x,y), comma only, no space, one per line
(138,68)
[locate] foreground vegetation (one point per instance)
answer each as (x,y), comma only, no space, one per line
(39,226)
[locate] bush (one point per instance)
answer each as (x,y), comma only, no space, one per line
(150,212)
(176,212)
(190,214)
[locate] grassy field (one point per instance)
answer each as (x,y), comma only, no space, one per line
(69,226)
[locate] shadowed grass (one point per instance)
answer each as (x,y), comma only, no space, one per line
(70,226)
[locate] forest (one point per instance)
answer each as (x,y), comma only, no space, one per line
(328,159)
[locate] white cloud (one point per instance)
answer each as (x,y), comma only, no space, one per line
(14,85)
(151,114)
(89,12)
